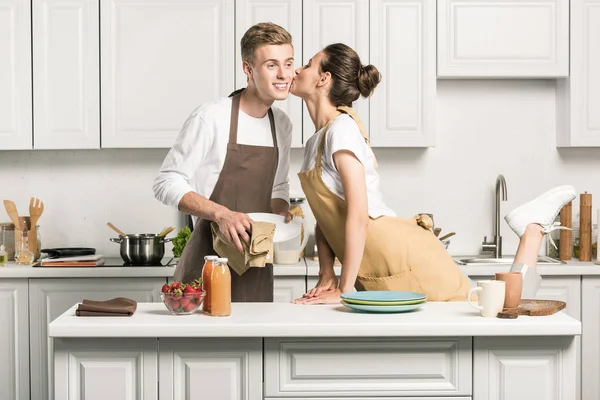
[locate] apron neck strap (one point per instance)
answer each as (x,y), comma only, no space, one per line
(341,110)
(235,112)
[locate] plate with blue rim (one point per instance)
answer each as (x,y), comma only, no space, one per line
(382,309)
(382,296)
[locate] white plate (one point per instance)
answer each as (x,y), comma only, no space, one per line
(283,231)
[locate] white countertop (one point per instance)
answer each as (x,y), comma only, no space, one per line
(293,320)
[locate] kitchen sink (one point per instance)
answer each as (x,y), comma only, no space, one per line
(542,260)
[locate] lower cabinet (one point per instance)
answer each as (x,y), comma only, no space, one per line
(102,369)
(288,288)
(14,340)
(49,298)
(590,338)
(224,369)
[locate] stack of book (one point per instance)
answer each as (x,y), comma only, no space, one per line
(76,261)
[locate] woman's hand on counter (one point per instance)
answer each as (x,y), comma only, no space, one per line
(331,296)
(326,282)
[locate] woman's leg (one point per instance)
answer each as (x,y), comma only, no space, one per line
(529,245)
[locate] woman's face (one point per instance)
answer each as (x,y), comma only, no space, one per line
(305,83)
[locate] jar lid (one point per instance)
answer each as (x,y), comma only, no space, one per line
(222,259)
(297,200)
(210,258)
(8,225)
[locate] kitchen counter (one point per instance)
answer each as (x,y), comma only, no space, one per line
(291,320)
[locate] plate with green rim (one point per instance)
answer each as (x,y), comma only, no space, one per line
(383,296)
(385,303)
(382,309)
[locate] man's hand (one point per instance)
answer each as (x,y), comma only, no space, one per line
(235,226)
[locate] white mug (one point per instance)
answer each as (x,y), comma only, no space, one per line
(490,296)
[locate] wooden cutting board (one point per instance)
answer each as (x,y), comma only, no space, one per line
(533,308)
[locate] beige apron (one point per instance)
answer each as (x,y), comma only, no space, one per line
(245,185)
(399,254)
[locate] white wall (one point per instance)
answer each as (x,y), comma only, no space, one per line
(484,128)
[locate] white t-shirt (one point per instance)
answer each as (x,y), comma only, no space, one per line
(197,157)
(344,134)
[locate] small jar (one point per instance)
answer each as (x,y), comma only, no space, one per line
(17,242)
(7,238)
(22,255)
(296,209)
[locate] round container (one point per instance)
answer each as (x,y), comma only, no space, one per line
(182,304)
(7,237)
(142,249)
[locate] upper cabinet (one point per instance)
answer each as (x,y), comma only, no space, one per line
(503,38)
(66,74)
(159,61)
(288,15)
(15,75)
(402,47)
(578,98)
(351,28)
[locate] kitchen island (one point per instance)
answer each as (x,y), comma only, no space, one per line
(286,351)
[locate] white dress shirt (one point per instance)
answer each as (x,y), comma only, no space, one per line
(195,161)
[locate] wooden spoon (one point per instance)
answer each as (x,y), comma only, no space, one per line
(114,228)
(11,210)
(166,231)
(447,236)
(36,208)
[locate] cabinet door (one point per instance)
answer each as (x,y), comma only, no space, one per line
(49,298)
(224,369)
(159,61)
(288,288)
(590,338)
(99,369)
(288,15)
(402,46)
(351,28)
(66,74)
(567,289)
(14,340)
(15,75)
(578,98)
(506,38)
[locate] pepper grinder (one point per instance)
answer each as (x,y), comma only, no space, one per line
(566,236)
(585,227)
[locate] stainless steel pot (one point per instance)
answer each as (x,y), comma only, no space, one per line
(142,249)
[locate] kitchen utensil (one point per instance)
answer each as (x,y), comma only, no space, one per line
(382,309)
(514,287)
(11,210)
(283,231)
(36,208)
(383,296)
(533,308)
(490,297)
(114,228)
(585,227)
(166,231)
(69,252)
(447,236)
(437,231)
(566,243)
(142,249)
(289,251)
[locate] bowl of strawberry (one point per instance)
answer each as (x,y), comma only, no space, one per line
(183,298)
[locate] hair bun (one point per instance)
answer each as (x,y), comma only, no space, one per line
(368,79)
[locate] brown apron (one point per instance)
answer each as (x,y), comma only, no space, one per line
(244,185)
(399,254)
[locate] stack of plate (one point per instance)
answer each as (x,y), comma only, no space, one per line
(383,301)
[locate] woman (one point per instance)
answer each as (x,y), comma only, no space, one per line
(378,251)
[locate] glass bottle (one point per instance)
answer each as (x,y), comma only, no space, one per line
(207,270)
(220,289)
(22,255)
(3,253)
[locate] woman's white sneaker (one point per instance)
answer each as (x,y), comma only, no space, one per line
(542,210)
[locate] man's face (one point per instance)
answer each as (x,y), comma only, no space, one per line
(272,71)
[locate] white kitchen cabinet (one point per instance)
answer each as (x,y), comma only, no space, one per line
(351,28)
(49,298)
(159,61)
(15,75)
(403,48)
(14,339)
(114,369)
(578,98)
(224,369)
(325,367)
(288,288)
(503,38)
(590,337)
(288,15)
(66,74)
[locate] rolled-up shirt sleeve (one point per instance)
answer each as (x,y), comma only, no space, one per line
(176,175)
(281,185)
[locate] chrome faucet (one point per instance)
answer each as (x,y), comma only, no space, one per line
(496,245)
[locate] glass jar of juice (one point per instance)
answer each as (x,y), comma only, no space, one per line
(206,276)
(220,289)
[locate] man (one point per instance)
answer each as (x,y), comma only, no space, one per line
(232,158)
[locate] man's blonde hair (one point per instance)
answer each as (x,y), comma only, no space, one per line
(262,34)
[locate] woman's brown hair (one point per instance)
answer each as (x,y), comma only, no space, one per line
(351,79)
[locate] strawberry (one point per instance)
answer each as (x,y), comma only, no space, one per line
(189,289)
(185,302)
(189,307)
(165,288)
(175,304)
(175,285)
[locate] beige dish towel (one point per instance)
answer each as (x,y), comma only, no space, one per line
(259,253)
